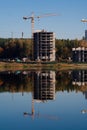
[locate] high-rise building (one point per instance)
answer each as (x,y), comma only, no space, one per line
(85,34)
(44,46)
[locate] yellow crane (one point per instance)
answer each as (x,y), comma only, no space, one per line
(32,18)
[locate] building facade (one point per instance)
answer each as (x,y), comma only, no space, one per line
(85,34)
(79,54)
(44,46)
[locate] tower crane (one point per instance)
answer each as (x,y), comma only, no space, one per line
(32,18)
(32,114)
(85,21)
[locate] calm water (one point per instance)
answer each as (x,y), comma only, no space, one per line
(43,100)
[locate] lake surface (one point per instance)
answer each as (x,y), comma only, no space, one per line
(43,100)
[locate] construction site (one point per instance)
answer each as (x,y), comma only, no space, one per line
(44,46)
(43,42)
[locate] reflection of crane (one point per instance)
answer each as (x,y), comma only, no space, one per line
(33,114)
(83,111)
(43,84)
(32,110)
(32,17)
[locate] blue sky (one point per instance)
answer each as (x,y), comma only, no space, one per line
(67,24)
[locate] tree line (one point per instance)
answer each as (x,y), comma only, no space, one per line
(19,82)
(64,48)
(12,48)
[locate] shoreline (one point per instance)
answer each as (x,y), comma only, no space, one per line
(4,66)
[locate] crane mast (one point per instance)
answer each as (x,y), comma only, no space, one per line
(32,17)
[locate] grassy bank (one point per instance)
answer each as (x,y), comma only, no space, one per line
(55,66)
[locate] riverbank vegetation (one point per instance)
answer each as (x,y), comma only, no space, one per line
(21,81)
(20,48)
(11,50)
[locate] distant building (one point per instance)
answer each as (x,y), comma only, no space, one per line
(44,46)
(79,54)
(85,34)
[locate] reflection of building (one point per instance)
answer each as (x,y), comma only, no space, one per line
(44,85)
(44,46)
(79,54)
(79,77)
(85,93)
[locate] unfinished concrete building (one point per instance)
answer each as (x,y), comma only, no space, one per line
(79,54)
(44,46)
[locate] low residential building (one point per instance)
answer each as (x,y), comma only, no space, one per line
(79,54)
